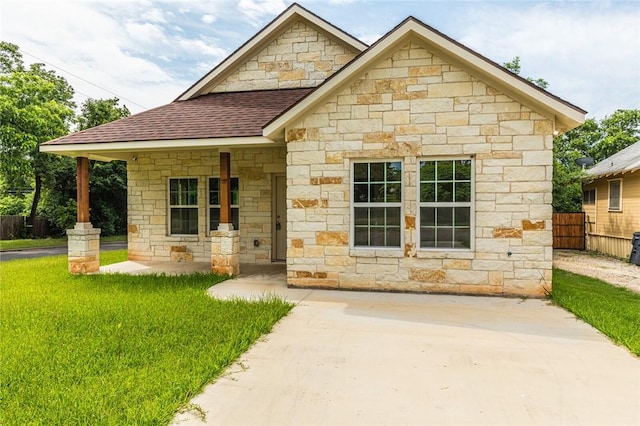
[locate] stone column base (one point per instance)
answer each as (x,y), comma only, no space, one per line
(225,245)
(84,248)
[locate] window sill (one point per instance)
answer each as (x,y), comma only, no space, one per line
(376,252)
(181,238)
(614,211)
(445,254)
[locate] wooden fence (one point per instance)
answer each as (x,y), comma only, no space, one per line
(568,231)
(12,227)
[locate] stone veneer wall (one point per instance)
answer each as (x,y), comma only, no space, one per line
(148,200)
(408,106)
(300,57)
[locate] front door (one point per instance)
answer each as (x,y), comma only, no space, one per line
(279,219)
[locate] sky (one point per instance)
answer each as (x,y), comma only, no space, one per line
(147,52)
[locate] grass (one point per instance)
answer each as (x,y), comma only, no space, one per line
(613,310)
(48,242)
(114,349)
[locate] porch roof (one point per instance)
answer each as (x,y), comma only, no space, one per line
(215,115)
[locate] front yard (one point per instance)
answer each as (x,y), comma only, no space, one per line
(114,349)
(615,311)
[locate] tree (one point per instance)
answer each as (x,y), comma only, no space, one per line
(514,67)
(35,106)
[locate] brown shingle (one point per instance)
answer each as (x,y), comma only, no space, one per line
(216,115)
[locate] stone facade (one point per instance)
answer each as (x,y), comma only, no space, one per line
(300,57)
(148,182)
(409,106)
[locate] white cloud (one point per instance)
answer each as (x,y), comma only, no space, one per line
(146,34)
(154,15)
(208,19)
(589,52)
(257,9)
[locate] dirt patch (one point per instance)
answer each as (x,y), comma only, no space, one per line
(613,271)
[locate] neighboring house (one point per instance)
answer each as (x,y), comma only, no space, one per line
(413,164)
(611,201)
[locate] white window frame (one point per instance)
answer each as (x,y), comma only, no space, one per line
(470,204)
(213,206)
(353,204)
(619,208)
(183,206)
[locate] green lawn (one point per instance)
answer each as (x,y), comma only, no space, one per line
(114,349)
(613,310)
(48,242)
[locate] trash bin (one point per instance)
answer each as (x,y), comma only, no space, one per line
(635,249)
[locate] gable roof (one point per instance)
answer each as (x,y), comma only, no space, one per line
(566,115)
(281,23)
(627,160)
(216,115)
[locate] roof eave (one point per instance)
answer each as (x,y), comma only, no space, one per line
(127,150)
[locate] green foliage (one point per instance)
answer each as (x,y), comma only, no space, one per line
(114,349)
(35,106)
(12,205)
(595,139)
(613,310)
(95,112)
(618,131)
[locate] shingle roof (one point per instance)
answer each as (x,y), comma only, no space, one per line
(216,115)
(623,161)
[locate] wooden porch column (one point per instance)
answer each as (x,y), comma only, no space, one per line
(83,189)
(225,242)
(83,240)
(225,188)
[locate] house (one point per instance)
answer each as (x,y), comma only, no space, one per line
(413,164)
(611,202)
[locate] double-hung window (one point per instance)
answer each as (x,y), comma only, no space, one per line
(377,204)
(183,206)
(445,194)
(214,203)
(615,195)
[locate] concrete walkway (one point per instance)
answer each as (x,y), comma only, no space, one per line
(358,358)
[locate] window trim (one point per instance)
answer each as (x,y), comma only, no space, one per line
(472,205)
(170,206)
(352,203)
(210,206)
(619,209)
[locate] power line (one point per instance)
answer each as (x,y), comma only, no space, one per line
(85,80)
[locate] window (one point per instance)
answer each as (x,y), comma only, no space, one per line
(377,198)
(615,191)
(445,192)
(214,203)
(589,196)
(183,206)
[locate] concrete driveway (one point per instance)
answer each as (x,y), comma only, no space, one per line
(358,358)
